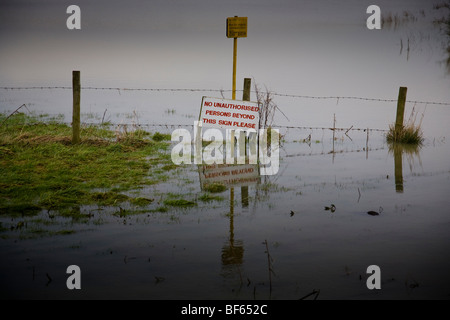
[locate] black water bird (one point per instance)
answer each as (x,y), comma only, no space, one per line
(332,208)
(375,213)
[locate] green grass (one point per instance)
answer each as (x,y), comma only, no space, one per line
(179,203)
(161,137)
(207,197)
(215,187)
(41,169)
(141,201)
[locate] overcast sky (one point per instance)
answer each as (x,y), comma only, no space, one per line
(181,40)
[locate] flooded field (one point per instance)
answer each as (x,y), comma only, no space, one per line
(340,202)
(216,248)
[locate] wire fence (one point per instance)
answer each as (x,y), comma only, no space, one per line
(332,152)
(137,125)
(226,90)
(222,91)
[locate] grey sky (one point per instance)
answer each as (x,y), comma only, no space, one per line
(165,42)
(175,16)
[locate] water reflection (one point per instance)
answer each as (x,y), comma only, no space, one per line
(244,196)
(232,250)
(415,36)
(398,150)
(229,176)
(214,176)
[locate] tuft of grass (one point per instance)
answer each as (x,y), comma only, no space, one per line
(179,203)
(169,167)
(108,198)
(215,187)
(161,209)
(141,201)
(411,133)
(406,134)
(160,137)
(207,197)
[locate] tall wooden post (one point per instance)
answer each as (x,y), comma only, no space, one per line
(76,88)
(398,151)
(234,68)
(400,109)
(245,97)
(236,28)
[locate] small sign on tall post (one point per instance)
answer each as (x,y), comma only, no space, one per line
(236,28)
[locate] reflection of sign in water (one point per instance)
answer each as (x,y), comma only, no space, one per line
(229,175)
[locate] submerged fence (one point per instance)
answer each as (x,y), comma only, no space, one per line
(77,88)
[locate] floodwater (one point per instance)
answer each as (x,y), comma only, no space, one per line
(272,237)
(217,250)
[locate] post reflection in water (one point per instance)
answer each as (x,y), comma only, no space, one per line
(398,163)
(214,177)
(398,150)
(244,196)
(233,250)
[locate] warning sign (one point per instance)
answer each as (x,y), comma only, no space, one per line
(237,27)
(229,114)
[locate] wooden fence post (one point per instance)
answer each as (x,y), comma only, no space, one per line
(400,109)
(247,86)
(245,97)
(76,88)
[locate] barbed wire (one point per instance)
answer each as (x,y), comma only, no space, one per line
(359,98)
(360,150)
(119,89)
(328,128)
(179,125)
(226,90)
(275,126)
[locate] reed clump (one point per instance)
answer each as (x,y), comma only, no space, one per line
(410,133)
(406,134)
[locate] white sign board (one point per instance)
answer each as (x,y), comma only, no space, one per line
(229,114)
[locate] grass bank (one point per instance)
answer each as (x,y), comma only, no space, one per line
(41,169)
